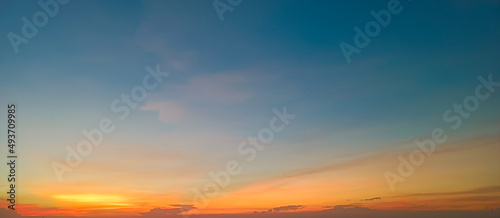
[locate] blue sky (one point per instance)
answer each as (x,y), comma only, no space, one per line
(227,76)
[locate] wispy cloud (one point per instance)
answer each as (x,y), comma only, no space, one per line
(220,87)
(162,212)
(372,199)
(481,190)
(283,208)
(349,207)
(168,112)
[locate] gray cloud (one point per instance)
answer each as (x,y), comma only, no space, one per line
(163,212)
(283,208)
(372,199)
(347,207)
(289,207)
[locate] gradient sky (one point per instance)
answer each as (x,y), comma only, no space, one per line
(226,77)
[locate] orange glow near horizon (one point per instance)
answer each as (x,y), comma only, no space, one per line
(352,186)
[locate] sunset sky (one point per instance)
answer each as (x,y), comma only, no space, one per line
(342,134)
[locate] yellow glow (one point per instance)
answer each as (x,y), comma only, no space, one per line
(89,198)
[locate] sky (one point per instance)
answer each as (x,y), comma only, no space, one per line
(251,108)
